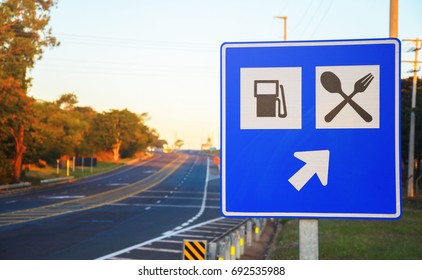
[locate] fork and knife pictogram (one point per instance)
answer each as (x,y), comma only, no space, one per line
(332,84)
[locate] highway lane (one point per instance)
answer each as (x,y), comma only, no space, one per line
(84,187)
(186,196)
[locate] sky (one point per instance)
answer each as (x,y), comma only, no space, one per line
(163,57)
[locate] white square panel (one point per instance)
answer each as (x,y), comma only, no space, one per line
(271,98)
(348,96)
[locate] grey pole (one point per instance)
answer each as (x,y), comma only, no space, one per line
(227,247)
(232,246)
(237,244)
(249,233)
(308,239)
(242,240)
(212,251)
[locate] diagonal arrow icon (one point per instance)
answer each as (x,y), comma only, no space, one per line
(316,162)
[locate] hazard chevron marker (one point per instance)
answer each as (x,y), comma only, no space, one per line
(194,249)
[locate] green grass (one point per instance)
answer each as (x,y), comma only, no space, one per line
(37,174)
(359,239)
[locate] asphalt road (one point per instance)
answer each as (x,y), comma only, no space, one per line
(99,216)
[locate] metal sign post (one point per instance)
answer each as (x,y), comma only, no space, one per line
(308,239)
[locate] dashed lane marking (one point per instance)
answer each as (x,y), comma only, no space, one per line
(161,205)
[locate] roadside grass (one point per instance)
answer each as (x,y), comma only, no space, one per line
(359,239)
(35,175)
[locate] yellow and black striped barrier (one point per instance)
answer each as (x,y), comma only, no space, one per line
(194,250)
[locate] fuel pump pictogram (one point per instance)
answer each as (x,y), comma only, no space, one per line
(270,99)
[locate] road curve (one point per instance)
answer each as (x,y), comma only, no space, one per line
(96,217)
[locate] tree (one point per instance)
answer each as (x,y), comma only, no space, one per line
(406,104)
(58,132)
(178,144)
(67,101)
(23,37)
(15,112)
(119,130)
(160,143)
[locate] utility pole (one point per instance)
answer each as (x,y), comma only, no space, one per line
(410,178)
(285,26)
(394,18)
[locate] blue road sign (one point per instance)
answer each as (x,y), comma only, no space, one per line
(311,129)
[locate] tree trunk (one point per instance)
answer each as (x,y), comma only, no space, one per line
(20,150)
(116,150)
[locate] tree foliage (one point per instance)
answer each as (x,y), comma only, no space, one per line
(178,144)
(54,131)
(31,131)
(122,132)
(15,115)
(24,34)
(59,132)
(406,104)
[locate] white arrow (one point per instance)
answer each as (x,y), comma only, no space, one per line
(316,163)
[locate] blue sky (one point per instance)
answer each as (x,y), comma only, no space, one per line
(162,57)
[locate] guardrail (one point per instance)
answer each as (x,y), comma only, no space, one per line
(231,245)
(15,186)
(54,180)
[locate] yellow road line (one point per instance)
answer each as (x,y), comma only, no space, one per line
(92,201)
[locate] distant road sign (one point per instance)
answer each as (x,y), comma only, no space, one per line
(311,129)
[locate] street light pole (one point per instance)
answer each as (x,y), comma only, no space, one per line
(394,18)
(285,25)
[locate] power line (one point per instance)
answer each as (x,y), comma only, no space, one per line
(303,16)
(322,18)
(134,43)
(121,39)
(311,18)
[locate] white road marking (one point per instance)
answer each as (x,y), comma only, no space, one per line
(169,241)
(192,236)
(117,184)
(126,250)
(180,192)
(204,198)
(159,250)
(63,196)
(178,230)
(118,204)
(160,205)
(202,231)
(212,227)
(175,197)
(227,223)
